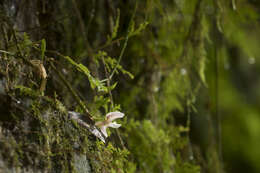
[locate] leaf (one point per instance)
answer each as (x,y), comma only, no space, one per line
(26,44)
(125,71)
(27,91)
(113,86)
(27,41)
(94,83)
(202,64)
(111,63)
(115,28)
(43,48)
(141,27)
(101,101)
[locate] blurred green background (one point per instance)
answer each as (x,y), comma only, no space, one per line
(187,75)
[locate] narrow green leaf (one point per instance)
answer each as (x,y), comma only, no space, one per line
(113,86)
(115,28)
(43,48)
(94,83)
(202,70)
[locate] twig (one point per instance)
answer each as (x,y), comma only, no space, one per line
(16,43)
(108,83)
(6,52)
(191,155)
(111,99)
(92,14)
(4,36)
(82,28)
(193,28)
(20,55)
(114,70)
(46,24)
(217,40)
(120,57)
(74,94)
(108,44)
(125,44)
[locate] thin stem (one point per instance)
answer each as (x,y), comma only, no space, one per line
(118,62)
(108,84)
(4,37)
(20,55)
(109,43)
(82,28)
(191,155)
(120,57)
(125,44)
(74,94)
(9,53)
(192,29)
(92,14)
(112,102)
(219,130)
(46,24)
(217,40)
(16,43)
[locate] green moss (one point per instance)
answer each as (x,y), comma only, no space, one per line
(26,91)
(108,158)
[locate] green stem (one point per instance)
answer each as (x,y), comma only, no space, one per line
(74,94)
(125,44)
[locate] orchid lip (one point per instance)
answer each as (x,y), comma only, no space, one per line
(110,117)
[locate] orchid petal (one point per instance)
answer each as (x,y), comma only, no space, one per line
(114,125)
(103,130)
(114,115)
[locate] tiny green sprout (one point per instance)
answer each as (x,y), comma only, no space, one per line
(111,116)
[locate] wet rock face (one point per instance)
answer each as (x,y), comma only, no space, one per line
(36,18)
(22,14)
(36,134)
(81,164)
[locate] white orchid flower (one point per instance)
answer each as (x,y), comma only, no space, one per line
(111,116)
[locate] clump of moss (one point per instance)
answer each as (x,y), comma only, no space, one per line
(107,158)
